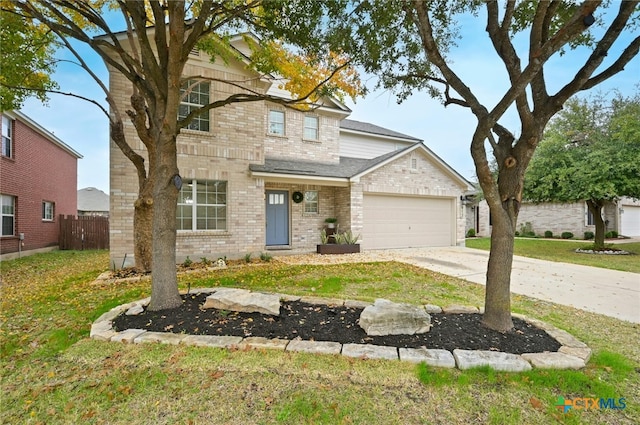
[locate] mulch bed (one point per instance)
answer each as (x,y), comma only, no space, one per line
(337,323)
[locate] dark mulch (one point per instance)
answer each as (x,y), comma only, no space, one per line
(339,324)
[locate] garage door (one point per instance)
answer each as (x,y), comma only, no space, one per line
(405,222)
(630,221)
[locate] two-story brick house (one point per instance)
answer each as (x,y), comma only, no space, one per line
(38,181)
(258,176)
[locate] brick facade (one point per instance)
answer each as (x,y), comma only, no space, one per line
(41,169)
(555,217)
(237,138)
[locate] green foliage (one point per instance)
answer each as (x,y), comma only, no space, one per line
(346,238)
(205,261)
(247,257)
(591,150)
(187,262)
(526,230)
(612,234)
(27,49)
(324,239)
(266,257)
(471,233)
(548,234)
(588,235)
(566,235)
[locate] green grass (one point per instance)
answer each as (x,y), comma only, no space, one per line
(564,251)
(53,373)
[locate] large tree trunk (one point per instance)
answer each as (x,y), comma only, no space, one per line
(595,207)
(143,227)
(164,281)
(497,301)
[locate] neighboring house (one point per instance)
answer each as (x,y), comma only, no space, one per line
(38,181)
(257,177)
(622,216)
(93,202)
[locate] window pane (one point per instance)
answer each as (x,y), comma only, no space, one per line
(7,225)
(310,128)
(276,122)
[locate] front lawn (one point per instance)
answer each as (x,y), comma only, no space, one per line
(53,373)
(564,251)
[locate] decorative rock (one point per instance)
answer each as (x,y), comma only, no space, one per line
(211,341)
(357,304)
(368,351)
(565,338)
(243,300)
(432,309)
(135,310)
(455,309)
(437,358)
(505,362)
(128,335)
(161,337)
(553,361)
(260,343)
(581,353)
(387,318)
(102,331)
(319,347)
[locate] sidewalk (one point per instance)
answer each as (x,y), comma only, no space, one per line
(609,292)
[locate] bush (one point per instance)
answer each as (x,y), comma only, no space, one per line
(471,233)
(266,257)
(567,235)
(611,234)
(548,234)
(517,233)
(247,258)
(187,262)
(588,235)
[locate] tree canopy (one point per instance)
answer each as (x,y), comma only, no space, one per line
(28,49)
(590,152)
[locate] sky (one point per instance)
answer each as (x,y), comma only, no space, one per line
(446,131)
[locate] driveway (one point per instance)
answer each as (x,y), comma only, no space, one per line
(609,292)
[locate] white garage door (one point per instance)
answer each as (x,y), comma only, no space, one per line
(406,222)
(630,221)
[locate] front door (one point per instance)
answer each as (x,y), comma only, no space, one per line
(277,209)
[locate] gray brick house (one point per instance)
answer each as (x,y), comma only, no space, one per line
(261,177)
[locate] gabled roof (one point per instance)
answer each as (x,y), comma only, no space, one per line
(42,131)
(92,199)
(367,128)
(349,169)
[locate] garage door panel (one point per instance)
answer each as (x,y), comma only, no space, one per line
(630,221)
(404,222)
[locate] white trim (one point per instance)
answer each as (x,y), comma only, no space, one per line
(301,179)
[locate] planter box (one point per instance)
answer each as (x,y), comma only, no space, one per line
(333,248)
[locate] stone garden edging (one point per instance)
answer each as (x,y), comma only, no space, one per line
(573,354)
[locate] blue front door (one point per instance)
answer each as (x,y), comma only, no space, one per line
(277,209)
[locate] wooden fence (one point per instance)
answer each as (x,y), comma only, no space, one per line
(83,232)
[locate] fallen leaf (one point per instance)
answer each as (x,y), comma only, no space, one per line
(537,404)
(217,374)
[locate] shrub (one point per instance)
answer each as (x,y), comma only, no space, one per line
(548,234)
(611,234)
(206,261)
(566,235)
(266,257)
(247,258)
(187,262)
(324,238)
(588,235)
(517,233)
(471,233)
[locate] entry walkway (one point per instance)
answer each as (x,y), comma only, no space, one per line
(609,292)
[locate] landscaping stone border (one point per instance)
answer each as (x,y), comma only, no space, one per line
(573,354)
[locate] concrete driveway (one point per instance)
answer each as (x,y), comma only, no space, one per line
(609,292)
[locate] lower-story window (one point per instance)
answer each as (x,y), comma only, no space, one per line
(311,201)
(202,205)
(8,212)
(47,210)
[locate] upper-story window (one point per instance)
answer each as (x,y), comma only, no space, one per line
(8,213)
(195,95)
(311,127)
(202,205)
(7,136)
(276,122)
(47,210)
